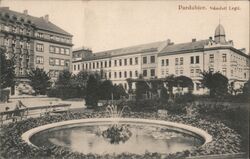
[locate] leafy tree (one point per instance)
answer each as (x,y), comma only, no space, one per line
(216,83)
(79,82)
(171,82)
(246,89)
(39,80)
(184,81)
(105,90)
(7,70)
(64,79)
(118,91)
(92,91)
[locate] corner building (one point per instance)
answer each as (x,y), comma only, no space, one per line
(34,42)
(161,59)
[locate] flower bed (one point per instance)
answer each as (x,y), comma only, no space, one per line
(225,140)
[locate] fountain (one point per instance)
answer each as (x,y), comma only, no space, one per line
(117,132)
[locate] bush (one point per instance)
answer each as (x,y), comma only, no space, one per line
(4,95)
(145,105)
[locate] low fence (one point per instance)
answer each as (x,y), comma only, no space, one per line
(23,113)
(222,156)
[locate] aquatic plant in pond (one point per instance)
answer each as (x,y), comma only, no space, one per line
(116,133)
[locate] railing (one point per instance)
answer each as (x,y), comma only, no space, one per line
(222,156)
(23,113)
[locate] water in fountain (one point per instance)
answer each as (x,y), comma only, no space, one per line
(117,132)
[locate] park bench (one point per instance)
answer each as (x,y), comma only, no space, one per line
(23,113)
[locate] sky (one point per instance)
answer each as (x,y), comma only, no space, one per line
(105,25)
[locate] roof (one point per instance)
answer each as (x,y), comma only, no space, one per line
(155,46)
(39,22)
(219,30)
(169,49)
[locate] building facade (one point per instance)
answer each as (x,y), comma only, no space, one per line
(34,42)
(161,59)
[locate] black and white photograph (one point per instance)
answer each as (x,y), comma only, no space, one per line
(106,79)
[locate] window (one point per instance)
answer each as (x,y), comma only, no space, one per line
(211,58)
(97,65)
(78,66)
(101,64)
(192,72)
(90,65)
(105,64)
(176,72)
(144,73)
(109,74)
(120,62)
(86,66)
(125,62)
(115,75)
(197,59)
(162,62)
(176,61)
(181,72)
(167,62)
(93,65)
(39,47)
(120,74)
(181,61)
(224,71)
(51,37)
(144,60)
(224,57)
(67,51)
(39,35)
(115,63)
(109,63)
(125,74)
(57,62)
(51,61)
(136,73)
(136,60)
(192,60)
(131,61)
(39,60)
(61,50)
(197,71)
(63,63)
(152,72)
(51,49)
(57,50)
(130,73)
(67,63)
(152,59)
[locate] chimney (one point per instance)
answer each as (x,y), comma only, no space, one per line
(168,41)
(194,40)
(25,12)
(46,18)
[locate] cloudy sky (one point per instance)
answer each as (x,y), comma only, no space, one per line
(103,25)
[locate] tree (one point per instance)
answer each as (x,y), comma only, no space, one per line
(118,91)
(184,81)
(39,80)
(92,91)
(246,89)
(7,70)
(105,90)
(79,82)
(64,79)
(170,84)
(141,88)
(216,83)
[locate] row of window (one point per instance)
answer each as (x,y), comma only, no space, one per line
(16,29)
(145,72)
(145,59)
(211,58)
(58,62)
(58,50)
(52,37)
(13,42)
(105,64)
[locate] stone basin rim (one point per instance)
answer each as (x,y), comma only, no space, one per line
(173,125)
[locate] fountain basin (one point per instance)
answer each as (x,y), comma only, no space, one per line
(72,124)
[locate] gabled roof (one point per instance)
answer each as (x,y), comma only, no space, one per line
(155,46)
(39,22)
(176,48)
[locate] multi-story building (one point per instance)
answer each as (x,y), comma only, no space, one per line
(120,64)
(34,42)
(161,59)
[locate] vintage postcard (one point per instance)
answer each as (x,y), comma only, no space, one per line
(124,79)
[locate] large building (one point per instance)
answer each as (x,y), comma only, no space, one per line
(34,42)
(161,59)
